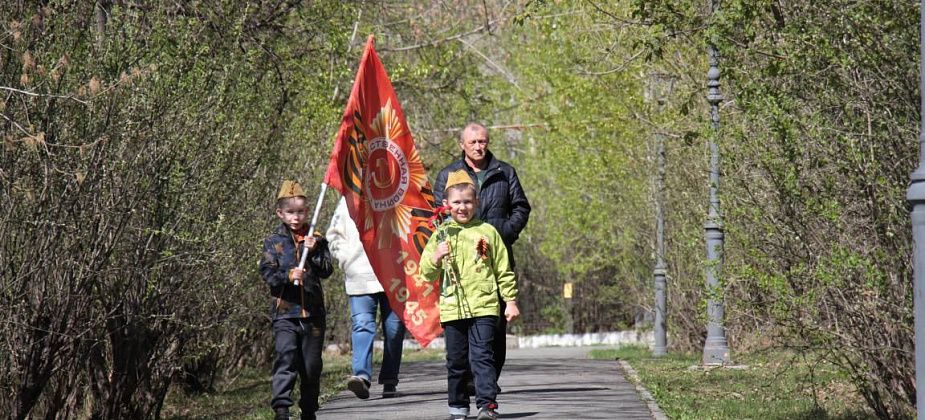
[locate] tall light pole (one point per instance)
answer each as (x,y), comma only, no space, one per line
(715,349)
(916,197)
(660,86)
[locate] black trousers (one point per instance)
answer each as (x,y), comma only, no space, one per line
(298,343)
(498,345)
(468,343)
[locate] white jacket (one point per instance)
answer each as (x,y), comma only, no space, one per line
(345,245)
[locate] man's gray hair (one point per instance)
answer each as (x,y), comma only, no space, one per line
(473,126)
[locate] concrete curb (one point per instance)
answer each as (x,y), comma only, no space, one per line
(631,375)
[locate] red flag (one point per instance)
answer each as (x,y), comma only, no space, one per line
(376,167)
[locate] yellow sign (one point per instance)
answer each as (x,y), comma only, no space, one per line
(567,290)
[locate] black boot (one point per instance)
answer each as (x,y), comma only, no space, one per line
(282,413)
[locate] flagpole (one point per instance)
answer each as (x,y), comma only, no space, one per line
(311,227)
(324,185)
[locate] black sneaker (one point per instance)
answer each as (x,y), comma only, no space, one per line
(359,386)
(488,412)
(282,413)
(389,391)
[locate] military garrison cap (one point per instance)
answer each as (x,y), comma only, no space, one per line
(290,189)
(458,177)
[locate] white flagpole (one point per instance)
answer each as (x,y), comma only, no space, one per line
(311,227)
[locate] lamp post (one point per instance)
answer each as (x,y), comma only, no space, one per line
(660,86)
(715,349)
(916,197)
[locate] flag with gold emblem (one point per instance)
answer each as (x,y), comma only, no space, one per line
(377,169)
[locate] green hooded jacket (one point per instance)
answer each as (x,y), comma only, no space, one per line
(481,274)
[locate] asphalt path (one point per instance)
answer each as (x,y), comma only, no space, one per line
(545,383)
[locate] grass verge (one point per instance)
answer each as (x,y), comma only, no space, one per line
(773,385)
(245,394)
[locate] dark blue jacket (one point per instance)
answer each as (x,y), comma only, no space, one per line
(280,254)
(502,202)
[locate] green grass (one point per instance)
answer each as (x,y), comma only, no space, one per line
(245,394)
(775,385)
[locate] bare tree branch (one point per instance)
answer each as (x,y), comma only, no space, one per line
(518,127)
(436,42)
(42,95)
(613,16)
(619,68)
(510,77)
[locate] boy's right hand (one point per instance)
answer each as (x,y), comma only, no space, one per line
(310,242)
(511,311)
(295,274)
(442,250)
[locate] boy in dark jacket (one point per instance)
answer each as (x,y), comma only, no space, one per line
(297,306)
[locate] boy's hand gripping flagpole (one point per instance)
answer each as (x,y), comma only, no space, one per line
(311,228)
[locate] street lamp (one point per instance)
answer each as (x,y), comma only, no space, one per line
(916,197)
(660,86)
(715,349)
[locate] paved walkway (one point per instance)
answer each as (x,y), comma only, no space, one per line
(546,383)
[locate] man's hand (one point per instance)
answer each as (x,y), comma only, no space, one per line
(295,274)
(442,250)
(511,311)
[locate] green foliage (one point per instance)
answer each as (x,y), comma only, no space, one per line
(585,168)
(142,148)
(817,156)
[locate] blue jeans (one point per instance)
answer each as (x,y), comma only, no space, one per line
(469,343)
(363,315)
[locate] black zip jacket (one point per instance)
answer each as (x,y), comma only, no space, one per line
(502,202)
(280,254)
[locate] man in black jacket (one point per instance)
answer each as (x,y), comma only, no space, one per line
(502,203)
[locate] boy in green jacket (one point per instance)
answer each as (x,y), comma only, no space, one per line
(471,259)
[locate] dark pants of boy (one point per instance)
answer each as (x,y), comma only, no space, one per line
(498,345)
(298,343)
(469,342)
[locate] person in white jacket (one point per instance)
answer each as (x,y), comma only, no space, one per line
(366,296)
